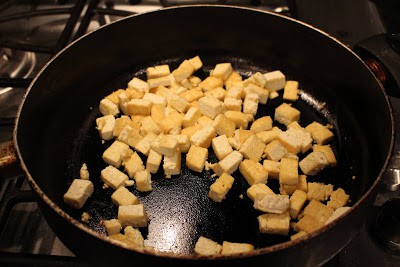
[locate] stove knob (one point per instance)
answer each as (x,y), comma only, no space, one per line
(387,224)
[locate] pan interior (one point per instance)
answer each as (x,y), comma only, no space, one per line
(56,131)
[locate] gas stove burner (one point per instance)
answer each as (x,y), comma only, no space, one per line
(387,225)
(16,63)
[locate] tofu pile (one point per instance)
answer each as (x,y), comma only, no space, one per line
(175,112)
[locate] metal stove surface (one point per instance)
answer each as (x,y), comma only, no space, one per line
(25,237)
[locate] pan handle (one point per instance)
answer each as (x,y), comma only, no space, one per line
(9,165)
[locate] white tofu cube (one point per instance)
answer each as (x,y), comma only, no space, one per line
(210,106)
(313,163)
(191,116)
(133,164)
(250,104)
(105,125)
(112,226)
(157,71)
(113,177)
(78,192)
(261,92)
(203,137)
(143,181)
(276,80)
(221,146)
(156,99)
(123,197)
(222,71)
(138,85)
(172,165)
(115,153)
(269,203)
(107,107)
(206,246)
(229,164)
(153,161)
(133,215)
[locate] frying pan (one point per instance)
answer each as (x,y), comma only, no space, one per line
(55,133)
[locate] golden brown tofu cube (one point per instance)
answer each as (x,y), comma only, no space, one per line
(319,211)
(220,187)
(253,148)
(196,158)
(234,248)
(338,199)
(253,172)
(288,174)
(277,224)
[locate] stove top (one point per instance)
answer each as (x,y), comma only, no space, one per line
(31,32)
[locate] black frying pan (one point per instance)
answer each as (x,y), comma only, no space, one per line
(55,132)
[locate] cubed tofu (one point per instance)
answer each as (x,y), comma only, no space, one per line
(320,133)
(296,203)
(191,116)
(133,164)
(235,248)
(133,215)
(196,158)
(105,125)
(268,136)
(276,224)
(233,104)
(155,99)
(184,71)
(269,203)
(167,145)
(189,131)
(144,145)
(203,137)
(273,95)
(318,211)
(112,226)
(138,85)
(275,150)
(130,136)
(220,188)
(253,172)
(178,103)
(123,197)
(172,165)
(292,139)
(288,174)
(240,119)
(113,97)
(329,154)
(224,126)
(338,199)
(275,80)
(192,95)
(183,142)
(261,92)
(222,71)
(210,106)
(218,93)
(258,191)
(206,246)
(290,189)
(153,161)
(204,120)
(157,113)
(252,148)
(210,83)
(123,100)
(250,103)
(78,193)
(194,80)
(221,146)
(259,79)
(148,125)
(107,107)
(115,153)
(139,107)
(308,224)
(319,191)
(122,122)
(236,92)
(313,163)
(196,62)
(229,164)
(134,235)
(298,235)
(233,80)
(286,114)
(261,124)
(171,121)
(239,138)
(113,177)
(143,181)
(291,91)
(157,71)
(273,168)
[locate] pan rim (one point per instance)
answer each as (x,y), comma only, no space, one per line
(265,250)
